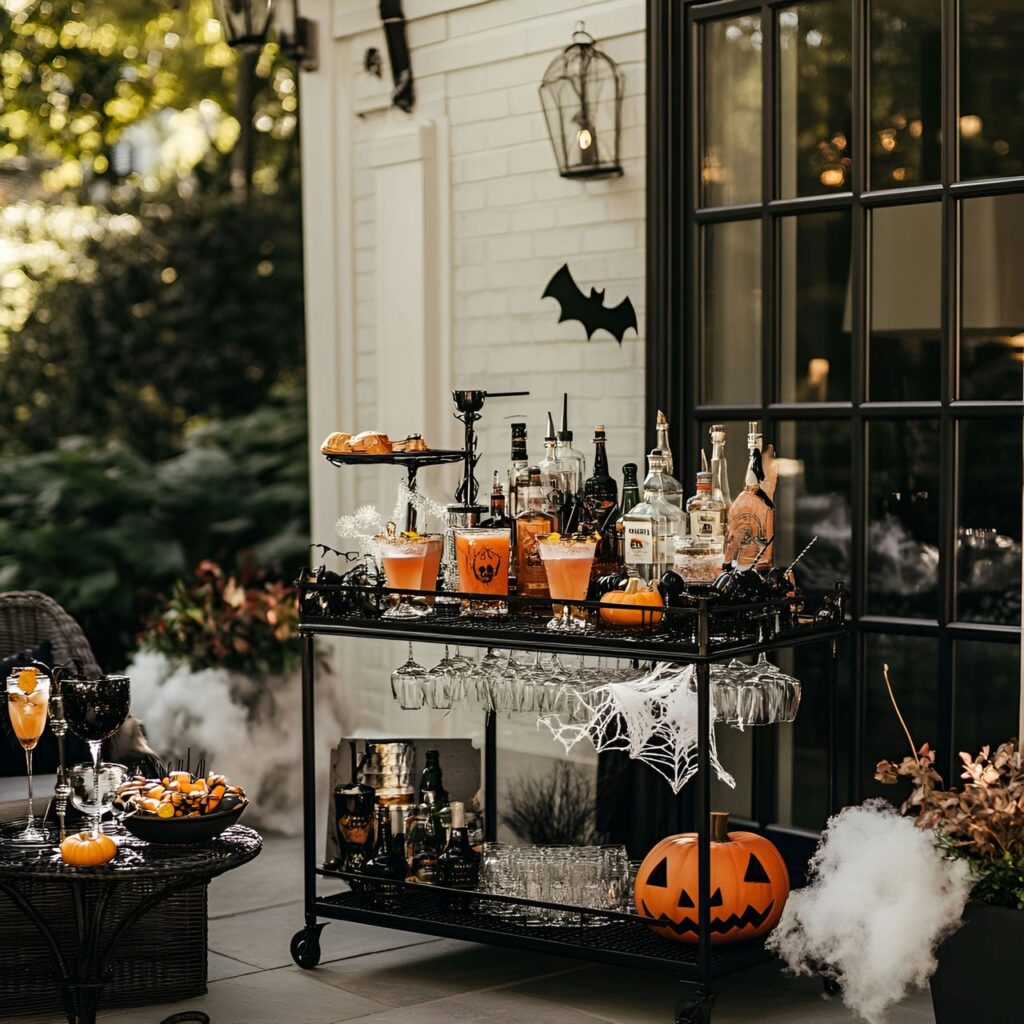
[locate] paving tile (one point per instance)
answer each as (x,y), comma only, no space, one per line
(441,969)
(219,968)
(286,996)
(500,1006)
(262,937)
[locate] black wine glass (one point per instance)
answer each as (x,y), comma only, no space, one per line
(94,710)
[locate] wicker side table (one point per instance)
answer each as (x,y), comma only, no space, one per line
(101,908)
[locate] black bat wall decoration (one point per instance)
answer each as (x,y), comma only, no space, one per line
(590,310)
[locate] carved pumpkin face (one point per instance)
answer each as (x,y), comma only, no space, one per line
(749,886)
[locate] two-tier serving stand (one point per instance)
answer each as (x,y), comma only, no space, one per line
(702,633)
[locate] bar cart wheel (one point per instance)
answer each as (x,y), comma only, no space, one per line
(696,1011)
(305,947)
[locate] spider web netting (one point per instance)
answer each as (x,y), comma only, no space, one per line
(367,523)
(653,718)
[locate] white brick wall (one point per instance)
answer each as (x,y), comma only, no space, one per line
(508,222)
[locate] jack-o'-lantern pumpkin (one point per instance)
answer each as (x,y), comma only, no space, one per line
(749,885)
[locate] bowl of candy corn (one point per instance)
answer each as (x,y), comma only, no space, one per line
(179,807)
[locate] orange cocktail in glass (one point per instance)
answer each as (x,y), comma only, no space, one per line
(410,562)
(28,701)
(567,562)
(482,555)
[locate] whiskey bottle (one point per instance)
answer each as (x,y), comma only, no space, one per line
(705,512)
(498,516)
(573,461)
(650,528)
(662,442)
(671,488)
(432,782)
(387,865)
(719,466)
(751,517)
(458,866)
(517,470)
(531,577)
(553,479)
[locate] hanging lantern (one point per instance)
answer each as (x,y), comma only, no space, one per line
(245,22)
(582,99)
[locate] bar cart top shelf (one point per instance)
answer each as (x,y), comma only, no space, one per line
(436,457)
(729,630)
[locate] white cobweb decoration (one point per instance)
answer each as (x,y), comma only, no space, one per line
(366,523)
(653,718)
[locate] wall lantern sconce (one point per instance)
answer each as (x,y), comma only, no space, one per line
(582,99)
(247,25)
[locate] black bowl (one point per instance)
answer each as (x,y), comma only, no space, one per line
(181,831)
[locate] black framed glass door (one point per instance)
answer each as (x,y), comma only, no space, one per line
(836,233)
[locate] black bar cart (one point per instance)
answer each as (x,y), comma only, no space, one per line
(700,633)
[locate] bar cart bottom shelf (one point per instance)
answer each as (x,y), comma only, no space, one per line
(619,942)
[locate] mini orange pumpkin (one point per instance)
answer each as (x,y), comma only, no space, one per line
(88,849)
(749,885)
(634,592)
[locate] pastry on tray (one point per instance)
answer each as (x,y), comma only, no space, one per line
(413,443)
(370,442)
(337,443)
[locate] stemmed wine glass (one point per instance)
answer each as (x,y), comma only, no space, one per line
(95,709)
(407,683)
(28,699)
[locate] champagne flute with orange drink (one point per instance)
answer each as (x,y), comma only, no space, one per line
(28,700)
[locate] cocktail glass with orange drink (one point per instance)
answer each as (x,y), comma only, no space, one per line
(482,555)
(411,561)
(28,701)
(567,562)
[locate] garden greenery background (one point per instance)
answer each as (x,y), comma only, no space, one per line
(152,406)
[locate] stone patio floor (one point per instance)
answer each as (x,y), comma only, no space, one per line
(378,976)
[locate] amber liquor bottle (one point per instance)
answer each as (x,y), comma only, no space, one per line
(751,517)
(531,577)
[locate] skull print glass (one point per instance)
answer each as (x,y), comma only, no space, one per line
(482,555)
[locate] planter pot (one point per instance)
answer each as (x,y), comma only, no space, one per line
(978,976)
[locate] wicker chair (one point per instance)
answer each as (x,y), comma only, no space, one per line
(27,618)
(173,934)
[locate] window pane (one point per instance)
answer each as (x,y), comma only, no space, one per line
(903,495)
(991,88)
(731,345)
(987,704)
(988,550)
(905,92)
(814,307)
(906,303)
(814,85)
(992,338)
(812,499)
(731,168)
(913,668)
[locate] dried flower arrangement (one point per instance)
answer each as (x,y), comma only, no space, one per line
(242,624)
(981,823)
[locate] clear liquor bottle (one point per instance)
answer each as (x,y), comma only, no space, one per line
(554,481)
(705,512)
(719,466)
(662,442)
(531,577)
(650,528)
(671,488)
(573,461)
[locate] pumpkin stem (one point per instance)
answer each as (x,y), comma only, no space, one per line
(720,827)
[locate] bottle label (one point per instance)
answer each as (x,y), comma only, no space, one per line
(707,524)
(531,577)
(639,543)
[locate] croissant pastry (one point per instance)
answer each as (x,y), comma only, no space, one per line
(337,443)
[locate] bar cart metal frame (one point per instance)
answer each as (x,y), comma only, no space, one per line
(622,939)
